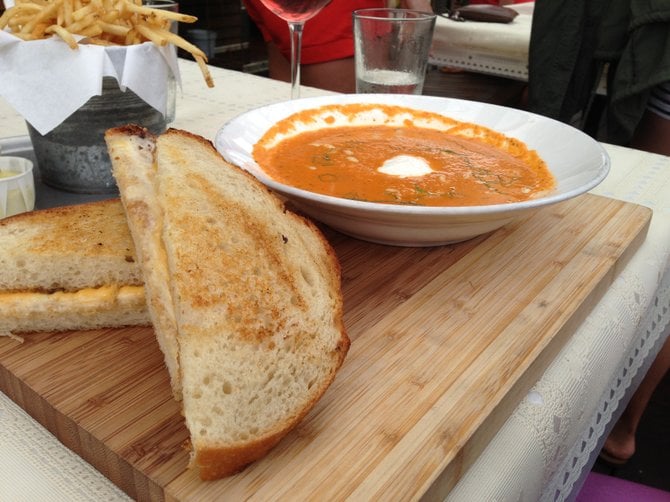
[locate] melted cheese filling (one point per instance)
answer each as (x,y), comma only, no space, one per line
(92,298)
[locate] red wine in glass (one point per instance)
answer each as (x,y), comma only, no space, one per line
(295,13)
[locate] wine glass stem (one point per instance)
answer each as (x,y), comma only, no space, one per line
(296,46)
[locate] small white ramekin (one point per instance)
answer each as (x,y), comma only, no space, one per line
(17,192)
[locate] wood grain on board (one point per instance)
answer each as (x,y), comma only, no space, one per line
(445,342)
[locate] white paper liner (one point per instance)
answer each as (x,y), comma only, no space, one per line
(46,81)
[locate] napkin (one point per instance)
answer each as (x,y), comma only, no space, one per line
(46,81)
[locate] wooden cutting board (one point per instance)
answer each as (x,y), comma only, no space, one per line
(445,343)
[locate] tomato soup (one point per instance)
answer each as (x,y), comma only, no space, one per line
(395,155)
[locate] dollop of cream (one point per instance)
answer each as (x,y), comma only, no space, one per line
(405,166)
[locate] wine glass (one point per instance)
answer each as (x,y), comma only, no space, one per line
(295,13)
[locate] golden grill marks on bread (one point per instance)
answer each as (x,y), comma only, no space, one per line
(256,296)
(69,268)
(67,248)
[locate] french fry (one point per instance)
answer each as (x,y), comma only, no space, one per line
(15,22)
(80,27)
(166,14)
(67,13)
(39,30)
(152,34)
(92,30)
(42,16)
(184,44)
(114,29)
(80,14)
(20,10)
(112,17)
(97,41)
(204,70)
(25,36)
(100,22)
(133,37)
(64,34)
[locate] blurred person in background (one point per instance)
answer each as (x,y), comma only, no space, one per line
(327,42)
(576,44)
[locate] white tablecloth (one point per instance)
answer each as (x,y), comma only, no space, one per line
(493,48)
(548,443)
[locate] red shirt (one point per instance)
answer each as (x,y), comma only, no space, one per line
(325,37)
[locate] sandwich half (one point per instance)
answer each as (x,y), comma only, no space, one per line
(252,290)
(69,268)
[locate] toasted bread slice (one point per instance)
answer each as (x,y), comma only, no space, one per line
(257,300)
(134,169)
(69,268)
(67,249)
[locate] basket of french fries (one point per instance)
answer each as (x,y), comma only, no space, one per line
(74,68)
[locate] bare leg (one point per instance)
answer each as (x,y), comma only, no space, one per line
(620,444)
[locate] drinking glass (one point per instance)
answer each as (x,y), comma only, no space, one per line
(295,13)
(391,48)
(171,106)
